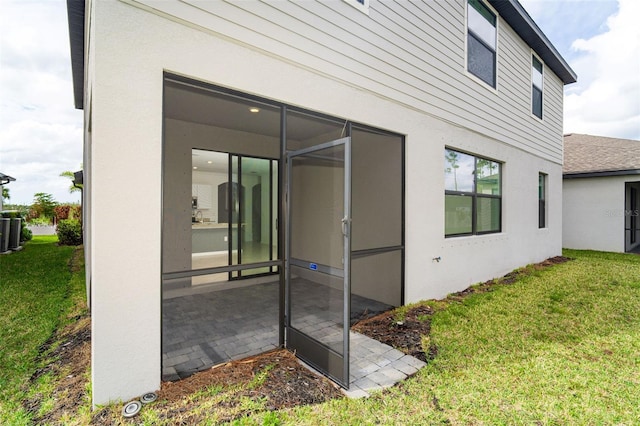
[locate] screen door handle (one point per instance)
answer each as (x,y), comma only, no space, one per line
(345,226)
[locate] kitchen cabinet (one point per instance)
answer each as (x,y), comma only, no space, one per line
(204,194)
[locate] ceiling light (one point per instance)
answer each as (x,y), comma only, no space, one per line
(209,162)
(254,110)
(195,167)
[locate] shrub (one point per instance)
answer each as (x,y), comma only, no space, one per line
(76,212)
(69,232)
(61,212)
(25,233)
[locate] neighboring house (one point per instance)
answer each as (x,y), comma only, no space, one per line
(601,193)
(4,179)
(259,174)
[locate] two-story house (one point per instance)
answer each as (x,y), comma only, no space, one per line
(261,174)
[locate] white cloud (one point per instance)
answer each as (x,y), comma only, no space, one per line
(40,131)
(599,39)
(606,99)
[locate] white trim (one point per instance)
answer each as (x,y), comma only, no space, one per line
(546,199)
(362,7)
(533,54)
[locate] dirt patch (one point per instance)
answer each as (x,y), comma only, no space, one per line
(69,363)
(270,381)
(403,332)
(509,278)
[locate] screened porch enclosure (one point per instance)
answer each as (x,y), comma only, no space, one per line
(228,199)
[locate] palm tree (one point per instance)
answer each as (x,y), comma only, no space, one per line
(74,187)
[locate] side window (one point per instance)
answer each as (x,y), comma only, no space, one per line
(481,42)
(536,87)
(542,200)
(473,194)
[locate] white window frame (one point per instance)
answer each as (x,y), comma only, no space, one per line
(466,47)
(362,7)
(545,198)
(533,55)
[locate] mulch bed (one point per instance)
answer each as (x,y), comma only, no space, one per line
(288,383)
(405,335)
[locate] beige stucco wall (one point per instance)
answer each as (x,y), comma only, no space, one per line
(131,49)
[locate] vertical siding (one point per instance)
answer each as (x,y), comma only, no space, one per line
(412,52)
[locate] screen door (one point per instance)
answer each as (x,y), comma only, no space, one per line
(318,256)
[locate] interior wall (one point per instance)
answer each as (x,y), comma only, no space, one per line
(376,190)
(317,208)
(378,277)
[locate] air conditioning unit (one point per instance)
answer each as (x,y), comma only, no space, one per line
(14,233)
(5,224)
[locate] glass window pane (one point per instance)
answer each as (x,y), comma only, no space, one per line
(458,171)
(536,78)
(488,177)
(481,26)
(536,102)
(542,209)
(537,65)
(481,61)
(487,214)
(484,11)
(457,214)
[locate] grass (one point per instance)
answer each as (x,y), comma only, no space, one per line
(36,286)
(560,345)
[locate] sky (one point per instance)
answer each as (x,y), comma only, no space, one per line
(41,131)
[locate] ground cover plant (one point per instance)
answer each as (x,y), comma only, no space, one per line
(552,343)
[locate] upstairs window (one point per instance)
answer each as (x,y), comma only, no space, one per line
(473,194)
(481,42)
(536,87)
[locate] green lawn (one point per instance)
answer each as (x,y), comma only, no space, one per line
(35,295)
(561,345)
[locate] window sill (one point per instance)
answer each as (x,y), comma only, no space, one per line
(481,82)
(364,8)
(468,240)
(535,117)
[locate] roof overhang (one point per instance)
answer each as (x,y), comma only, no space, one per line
(75,15)
(518,18)
(5,179)
(604,173)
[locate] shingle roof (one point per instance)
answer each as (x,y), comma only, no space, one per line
(596,154)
